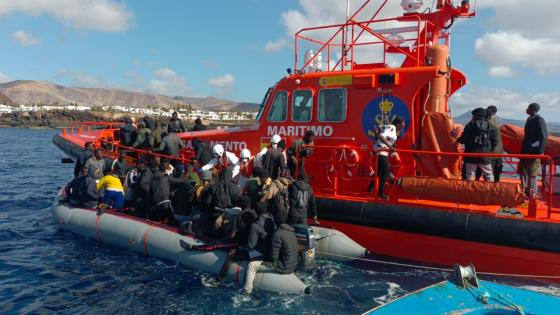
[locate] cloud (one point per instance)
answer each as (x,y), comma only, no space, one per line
(167,82)
(225,81)
(525,36)
(312,13)
(510,103)
(80,79)
(530,18)
(25,39)
(501,72)
(503,49)
(4,78)
(274,46)
(99,15)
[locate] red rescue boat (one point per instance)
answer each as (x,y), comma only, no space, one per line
(360,74)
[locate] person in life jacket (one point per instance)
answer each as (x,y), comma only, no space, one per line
(245,169)
(479,136)
(221,160)
(387,136)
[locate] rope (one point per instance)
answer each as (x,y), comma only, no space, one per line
(437,268)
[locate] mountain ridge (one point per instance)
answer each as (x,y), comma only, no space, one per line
(49,93)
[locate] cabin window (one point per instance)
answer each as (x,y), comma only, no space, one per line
(302,105)
(279,109)
(263,104)
(332,105)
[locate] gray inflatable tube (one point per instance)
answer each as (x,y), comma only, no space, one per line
(333,244)
(163,242)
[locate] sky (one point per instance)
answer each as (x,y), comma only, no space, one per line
(236,49)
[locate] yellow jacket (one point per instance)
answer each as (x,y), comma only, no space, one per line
(110,182)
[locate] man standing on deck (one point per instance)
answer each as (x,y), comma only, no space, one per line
(479,136)
(127,133)
(499,149)
(534,142)
(198,125)
(175,124)
(387,136)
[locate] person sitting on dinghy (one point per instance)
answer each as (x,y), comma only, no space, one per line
(72,189)
(284,249)
(86,154)
(160,196)
(222,195)
(259,244)
(89,197)
(114,191)
(302,199)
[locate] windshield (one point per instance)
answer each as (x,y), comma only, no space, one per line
(265,99)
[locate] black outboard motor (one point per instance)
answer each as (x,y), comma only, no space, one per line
(306,246)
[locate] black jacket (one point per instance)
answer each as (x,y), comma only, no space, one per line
(203,152)
(142,188)
(274,162)
(127,134)
(200,127)
(535,130)
(160,188)
(260,234)
(73,188)
(296,208)
(285,249)
(150,123)
(474,130)
(224,193)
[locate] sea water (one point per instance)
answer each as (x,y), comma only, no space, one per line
(43,270)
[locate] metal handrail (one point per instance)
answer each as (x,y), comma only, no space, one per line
(547,158)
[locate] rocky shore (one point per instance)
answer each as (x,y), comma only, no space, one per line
(64,118)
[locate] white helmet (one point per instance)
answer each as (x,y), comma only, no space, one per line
(275,139)
(245,154)
(218,150)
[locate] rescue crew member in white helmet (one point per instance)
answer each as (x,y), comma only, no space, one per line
(274,161)
(387,136)
(274,141)
(222,159)
(245,169)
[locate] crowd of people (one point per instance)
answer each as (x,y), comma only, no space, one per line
(482,135)
(249,202)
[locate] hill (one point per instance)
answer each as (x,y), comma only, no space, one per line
(5,100)
(47,93)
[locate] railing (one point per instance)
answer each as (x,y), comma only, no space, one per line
(380,40)
(339,170)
